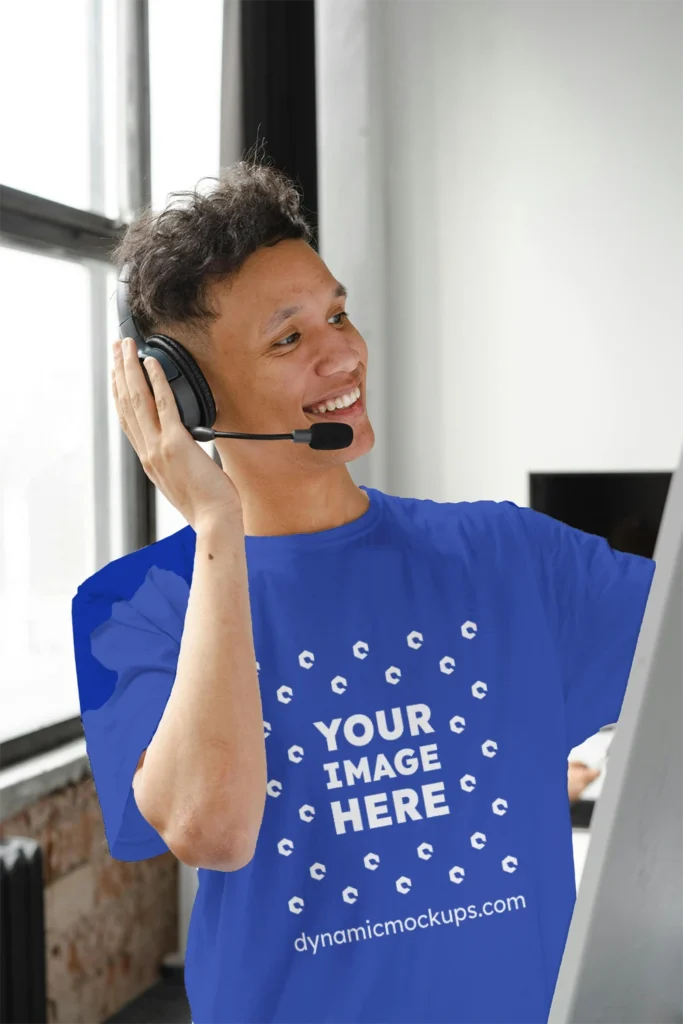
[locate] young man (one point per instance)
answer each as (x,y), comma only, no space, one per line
(350,711)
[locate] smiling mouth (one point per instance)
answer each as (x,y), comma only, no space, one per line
(349,412)
(351,408)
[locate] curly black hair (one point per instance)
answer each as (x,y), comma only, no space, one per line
(203,237)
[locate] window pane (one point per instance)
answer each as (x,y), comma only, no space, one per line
(47,511)
(53,57)
(185,106)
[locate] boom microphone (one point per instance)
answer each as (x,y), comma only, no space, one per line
(323,436)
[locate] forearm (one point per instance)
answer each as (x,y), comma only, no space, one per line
(203,781)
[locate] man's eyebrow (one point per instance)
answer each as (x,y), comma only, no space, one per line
(280,315)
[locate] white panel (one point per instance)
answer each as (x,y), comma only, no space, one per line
(623,956)
(350,188)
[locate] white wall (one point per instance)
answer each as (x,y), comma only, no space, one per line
(351,188)
(527,160)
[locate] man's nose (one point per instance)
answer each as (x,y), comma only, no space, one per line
(338,355)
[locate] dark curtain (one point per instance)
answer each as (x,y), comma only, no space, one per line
(278,89)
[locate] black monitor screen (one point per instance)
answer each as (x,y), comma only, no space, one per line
(625,508)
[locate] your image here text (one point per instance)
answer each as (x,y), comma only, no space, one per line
(376,810)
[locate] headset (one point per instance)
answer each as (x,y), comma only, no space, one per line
(196,405)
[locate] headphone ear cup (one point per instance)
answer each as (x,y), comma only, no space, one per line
(196,405)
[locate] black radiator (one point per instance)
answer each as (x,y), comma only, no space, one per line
(22,932)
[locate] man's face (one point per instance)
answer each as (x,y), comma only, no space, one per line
(269,363)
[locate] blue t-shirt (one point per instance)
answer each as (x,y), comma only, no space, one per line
(425,671)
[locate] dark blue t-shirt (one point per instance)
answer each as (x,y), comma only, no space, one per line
(425,671)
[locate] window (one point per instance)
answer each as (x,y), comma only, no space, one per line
(58,121)
(67,156)
(46,446)
(185,122)
(61,516)
(185,94)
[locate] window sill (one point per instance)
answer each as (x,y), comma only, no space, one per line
(23,784)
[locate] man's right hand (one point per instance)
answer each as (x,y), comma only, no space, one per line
(175,463)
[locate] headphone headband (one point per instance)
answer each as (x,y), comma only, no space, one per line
(128,328)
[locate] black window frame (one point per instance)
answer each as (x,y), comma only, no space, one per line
(277,108)
(36,224)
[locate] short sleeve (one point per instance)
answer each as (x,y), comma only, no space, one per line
(595,599)
(126,653)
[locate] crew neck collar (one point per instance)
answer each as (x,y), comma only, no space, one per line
(292,542)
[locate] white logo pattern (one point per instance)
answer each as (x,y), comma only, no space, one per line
(339,685)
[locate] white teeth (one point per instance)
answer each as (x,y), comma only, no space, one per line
(343,402)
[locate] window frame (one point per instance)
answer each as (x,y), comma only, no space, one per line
(39,225)
(251,102)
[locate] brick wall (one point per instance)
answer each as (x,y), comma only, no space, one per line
(108,923)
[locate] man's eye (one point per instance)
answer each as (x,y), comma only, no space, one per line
(286,342)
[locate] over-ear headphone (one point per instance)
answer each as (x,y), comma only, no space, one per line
(195,402)
(196,405)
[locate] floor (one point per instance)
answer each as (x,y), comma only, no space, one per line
(164,1003)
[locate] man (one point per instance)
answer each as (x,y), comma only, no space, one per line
(351,711)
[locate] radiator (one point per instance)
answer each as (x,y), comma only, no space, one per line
(22,932)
